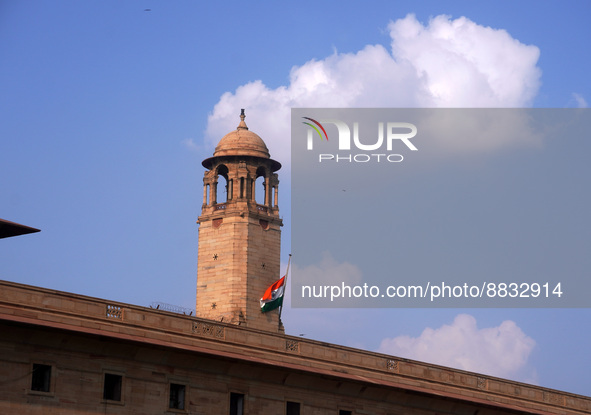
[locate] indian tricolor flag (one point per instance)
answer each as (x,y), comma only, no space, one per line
(273,296)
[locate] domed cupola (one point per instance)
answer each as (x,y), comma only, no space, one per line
(241,142)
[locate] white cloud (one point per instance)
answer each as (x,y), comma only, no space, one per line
(313,322)
(328,272)
(190,144)
(446,63)
(580,100)
(461,63)
(501,351)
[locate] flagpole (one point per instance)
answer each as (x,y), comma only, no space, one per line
(284,290)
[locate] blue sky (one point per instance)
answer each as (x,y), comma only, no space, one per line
(108,110)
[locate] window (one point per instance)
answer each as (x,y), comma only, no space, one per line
(292,408)
(41,379)
(342,412)
(177,396)
(236,403)
(112,387)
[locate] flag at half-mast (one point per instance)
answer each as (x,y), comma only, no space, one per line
(273,296)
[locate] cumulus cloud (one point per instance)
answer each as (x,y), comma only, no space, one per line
(501,351)
(461,63)
(446,63)
(580,100)
(315,284)
(190,144)
(328,272)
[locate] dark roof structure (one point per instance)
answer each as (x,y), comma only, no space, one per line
(8,229)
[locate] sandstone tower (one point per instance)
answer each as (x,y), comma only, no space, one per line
(239,239)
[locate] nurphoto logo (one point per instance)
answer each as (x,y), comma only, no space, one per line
(388,136)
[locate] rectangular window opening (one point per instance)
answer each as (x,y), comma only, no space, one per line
(177,396)
(112,387)
(292,408)
(41,378)
(236,403)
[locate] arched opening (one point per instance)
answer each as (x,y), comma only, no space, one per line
(260,193)
(206,190)
(222,187)
(259,190)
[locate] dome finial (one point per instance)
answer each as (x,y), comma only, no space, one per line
(242,125)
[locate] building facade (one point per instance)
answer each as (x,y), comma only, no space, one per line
(62,353)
